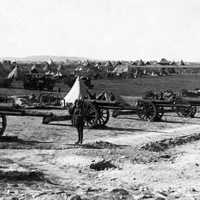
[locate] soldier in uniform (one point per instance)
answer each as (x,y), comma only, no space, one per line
(78,119)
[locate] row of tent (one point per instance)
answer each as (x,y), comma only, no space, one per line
(127,69)
(118,70)
(140,62)
(14,74)
(100,69)
(119,67)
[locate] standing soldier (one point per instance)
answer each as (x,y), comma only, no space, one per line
(78,119)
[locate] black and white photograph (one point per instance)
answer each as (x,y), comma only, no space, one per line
(99,100)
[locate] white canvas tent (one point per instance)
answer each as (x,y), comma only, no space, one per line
(13,73)
(50,62)
(78,91)
(46,68)
(119,69)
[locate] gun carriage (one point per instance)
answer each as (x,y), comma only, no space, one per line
(153,106)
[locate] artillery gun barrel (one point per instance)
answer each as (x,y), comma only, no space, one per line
(126,112)
(46,108)
(103,103)
(26,113)
(10,110)
(194,101)
(114,105)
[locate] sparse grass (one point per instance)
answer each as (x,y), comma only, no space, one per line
(126,87)
(137,87)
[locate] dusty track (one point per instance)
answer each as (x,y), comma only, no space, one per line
(64,168)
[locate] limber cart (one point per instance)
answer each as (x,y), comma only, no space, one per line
(153,109)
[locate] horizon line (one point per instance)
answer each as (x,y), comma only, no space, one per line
(87,58)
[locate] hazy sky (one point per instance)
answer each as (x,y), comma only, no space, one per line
(108,29)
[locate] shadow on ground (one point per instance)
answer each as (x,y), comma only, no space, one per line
(102,145)
(21,176)
(13,142)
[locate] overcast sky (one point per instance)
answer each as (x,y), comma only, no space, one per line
(102,29)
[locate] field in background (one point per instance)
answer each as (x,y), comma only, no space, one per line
(125,87)
(137,87)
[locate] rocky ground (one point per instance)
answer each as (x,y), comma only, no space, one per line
(129,159)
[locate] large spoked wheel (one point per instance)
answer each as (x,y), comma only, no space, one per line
(103,117)
(193,111)
(147,111)
(91,115)
(189,111)
(3,124)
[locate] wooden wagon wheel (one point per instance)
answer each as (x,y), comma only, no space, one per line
(193,111)
(146,111)
(91,115)
(103,117)
(3,124)
(189,111)
(141,110)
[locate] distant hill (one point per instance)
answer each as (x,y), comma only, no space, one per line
(43,58)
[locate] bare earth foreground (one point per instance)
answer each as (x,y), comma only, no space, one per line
(123,161)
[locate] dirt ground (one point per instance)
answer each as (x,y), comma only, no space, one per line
(41,161)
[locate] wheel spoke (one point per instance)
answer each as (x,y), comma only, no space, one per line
(103,117)
(3,123)
(146,111)
(91,115)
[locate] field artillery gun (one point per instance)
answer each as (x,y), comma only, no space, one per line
(96,109)
(96,113)
(152,106)
(192,97)
(153,110)
(9,108)
(10,111)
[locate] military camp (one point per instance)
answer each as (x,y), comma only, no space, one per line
(99,100)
